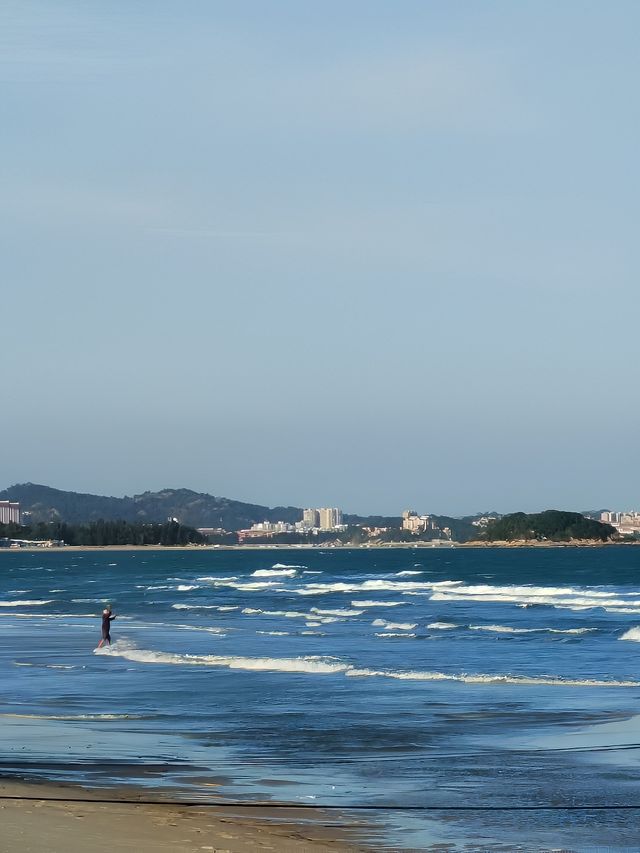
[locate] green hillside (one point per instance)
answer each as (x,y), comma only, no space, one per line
(552,524)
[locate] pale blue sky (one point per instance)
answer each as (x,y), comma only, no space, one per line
(370,254)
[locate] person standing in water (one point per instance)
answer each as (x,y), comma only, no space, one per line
(107,618)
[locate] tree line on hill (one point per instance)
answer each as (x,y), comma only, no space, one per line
(554,525)
(101,532)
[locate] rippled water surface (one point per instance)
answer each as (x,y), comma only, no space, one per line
(398,677)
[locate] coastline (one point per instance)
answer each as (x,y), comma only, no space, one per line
(385,546)
(32,811)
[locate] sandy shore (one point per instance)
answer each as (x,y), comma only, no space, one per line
(37,825)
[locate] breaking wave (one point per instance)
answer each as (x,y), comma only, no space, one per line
(310,664)
(378,585)
(506,629)
(289,614)
(277,570)
(560,597)
(393,626)
(27,602)
(574,598)
(325,665)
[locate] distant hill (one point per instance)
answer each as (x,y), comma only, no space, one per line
(192,508)
(553,525)
(196,509)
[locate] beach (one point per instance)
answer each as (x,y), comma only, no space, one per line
(33,823)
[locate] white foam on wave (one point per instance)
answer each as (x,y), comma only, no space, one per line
(377,603)
(442,626)
(36,602)
(90,600)
(187,587)
(327,588)
(375,585)
(309,664)
(407,573)
(481,678)
(288,614)
(506,629)
(275,572)
(274,633)
(394,626)
(287,566)
(455,590)
(326,665)
(338,612)
(528,596)
(632,634)
(217,581)
(194,607)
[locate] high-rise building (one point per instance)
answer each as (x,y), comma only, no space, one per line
(310,518)
(9,512)
(415,523)
(330,518)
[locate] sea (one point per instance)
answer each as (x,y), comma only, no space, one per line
(445,698)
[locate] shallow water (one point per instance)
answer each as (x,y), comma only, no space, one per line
(397,677)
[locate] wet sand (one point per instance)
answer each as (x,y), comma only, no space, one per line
(37,825)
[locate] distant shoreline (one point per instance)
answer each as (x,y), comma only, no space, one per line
(324,547)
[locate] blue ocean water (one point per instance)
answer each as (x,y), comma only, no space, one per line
(425,677)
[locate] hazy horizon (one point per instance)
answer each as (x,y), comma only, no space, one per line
(370,255)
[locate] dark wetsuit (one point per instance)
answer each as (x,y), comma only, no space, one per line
(106,626)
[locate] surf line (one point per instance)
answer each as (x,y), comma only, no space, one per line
(328,666)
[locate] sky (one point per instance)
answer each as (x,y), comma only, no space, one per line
(375,255)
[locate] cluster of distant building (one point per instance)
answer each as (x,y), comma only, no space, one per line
(414,523)
(10,514)
(314,521)
(626,523)
(328,520)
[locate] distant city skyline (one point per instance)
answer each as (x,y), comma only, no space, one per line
(375,255)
